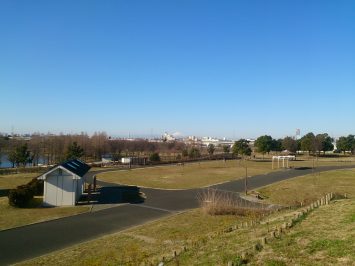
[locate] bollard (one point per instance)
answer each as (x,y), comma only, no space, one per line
(263,241)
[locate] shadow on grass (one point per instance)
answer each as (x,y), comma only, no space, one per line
(4,192)
(302,168)
(113,195)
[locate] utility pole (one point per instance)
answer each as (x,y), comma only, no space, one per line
(246,178)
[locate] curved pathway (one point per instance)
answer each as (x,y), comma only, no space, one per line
(38,239)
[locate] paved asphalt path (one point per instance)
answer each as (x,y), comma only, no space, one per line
(30,241)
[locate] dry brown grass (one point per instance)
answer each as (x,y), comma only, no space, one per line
(149,242)
(217,202)
(14,180)
(305,189)
(200,174)
(13,217)
(189,175)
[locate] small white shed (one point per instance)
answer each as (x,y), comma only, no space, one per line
(64,183)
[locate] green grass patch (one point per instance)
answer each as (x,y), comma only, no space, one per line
(320,239)
(350,218)
(334,247)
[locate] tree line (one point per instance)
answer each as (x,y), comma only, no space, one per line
(311,143)
(51,149)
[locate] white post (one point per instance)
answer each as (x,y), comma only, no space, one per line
(272,167)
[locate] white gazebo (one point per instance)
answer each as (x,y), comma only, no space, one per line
(286,158)
(64,183)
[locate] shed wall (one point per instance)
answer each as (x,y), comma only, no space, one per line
(60,189)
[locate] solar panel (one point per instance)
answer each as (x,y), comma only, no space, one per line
(72,166)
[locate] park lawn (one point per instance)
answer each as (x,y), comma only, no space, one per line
(14,180)
(308,188)
(325,237)
(189,175)
(194,175)
(208,243)
(313,241)
(13,217)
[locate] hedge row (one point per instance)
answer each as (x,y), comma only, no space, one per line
(22,195)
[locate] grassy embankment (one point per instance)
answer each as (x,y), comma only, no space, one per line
(194,175)
(324,237)
(12,217)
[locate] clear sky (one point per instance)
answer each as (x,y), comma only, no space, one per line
(220,68)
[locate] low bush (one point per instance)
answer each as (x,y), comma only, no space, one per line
(36,186)
(154,157)
(22,195)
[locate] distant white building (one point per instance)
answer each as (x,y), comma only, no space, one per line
(168,137)
(64,183)
(134,160)
(107,158)
(209,140)
(216,142)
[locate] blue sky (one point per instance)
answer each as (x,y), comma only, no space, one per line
(220,68)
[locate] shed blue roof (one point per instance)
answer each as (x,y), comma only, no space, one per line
(76,166)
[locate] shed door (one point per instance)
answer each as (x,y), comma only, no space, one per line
(59,191)
(68,190)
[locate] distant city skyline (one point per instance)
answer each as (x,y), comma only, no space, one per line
(206,68)
(178,136)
